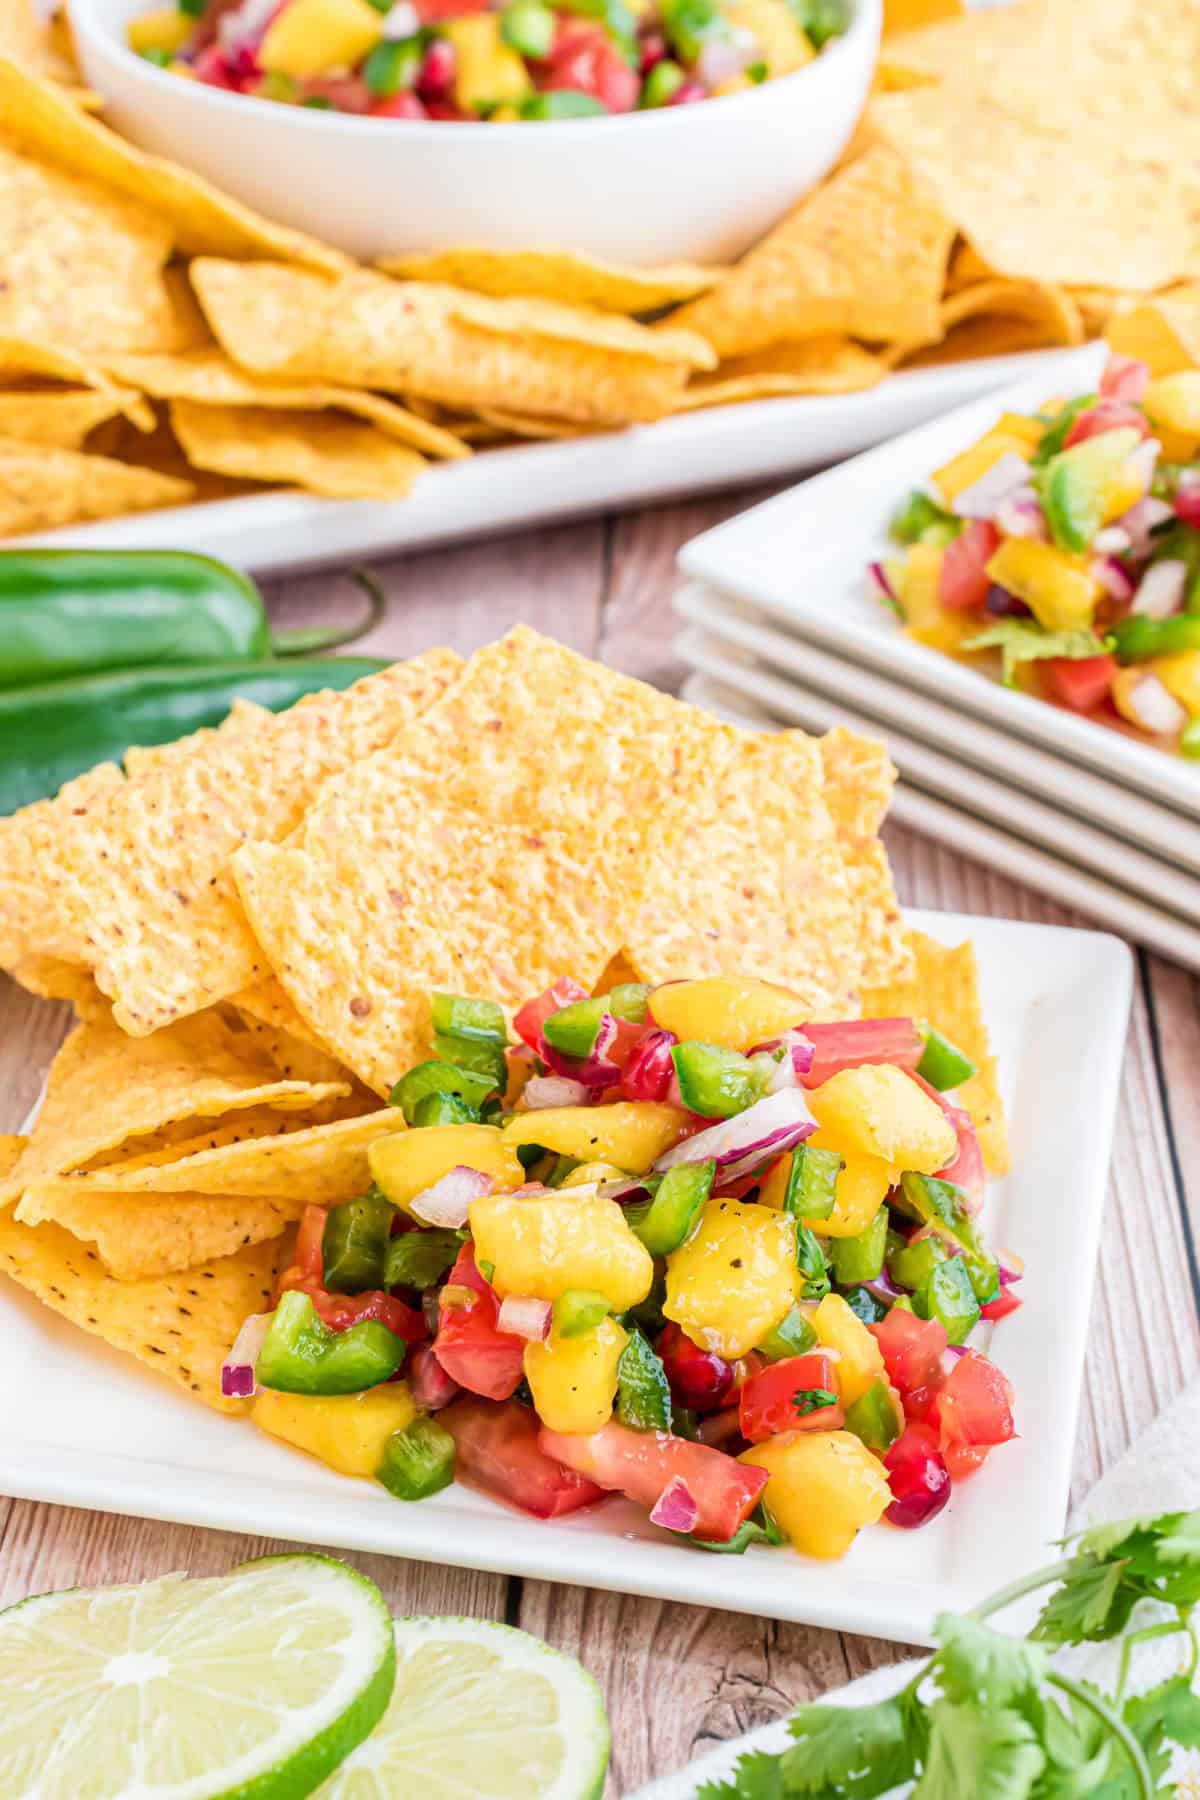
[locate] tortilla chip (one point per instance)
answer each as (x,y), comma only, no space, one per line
(1050,310)
(459,348)
(1165,331)
(944,988)
(266,1003)
(53,978)
(319,452)
(11,1146)
(562,275)
(63,419)
(754,882)
(321,1165)
(824,365)
(198,218)
(27,38)
(859,778)
(138,1237)
(1035,206)
(504,424)
(294,1057)
(181,1326)
(140,886)
(26,927)
(47,487)
(865,254)
(209,376)
(105,1091)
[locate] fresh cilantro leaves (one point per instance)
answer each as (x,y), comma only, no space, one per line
(808,1400)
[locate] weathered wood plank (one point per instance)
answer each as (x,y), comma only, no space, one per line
(1175,996)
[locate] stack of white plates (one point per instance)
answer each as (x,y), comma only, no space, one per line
(780,627)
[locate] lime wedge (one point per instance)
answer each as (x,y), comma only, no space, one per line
(250,1686)
(484,1711)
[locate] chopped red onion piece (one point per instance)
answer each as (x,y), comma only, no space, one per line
(802,1049)
(878,585)
(245,24)
(429,1383)
(1113,577)
(676,1508)
(1007,474)
(594,1070)
(1143,460)
(1141,520)
(740,1145)
(446,1203)
(631,1187)
(237,1371)
(650,1071)
(720,59)
(1021,515)
(950,1356)
(554,1090)
(525,1318)
(1161,589)
(1155,707)
(1112,540)
(884,1289)
(1011,1267)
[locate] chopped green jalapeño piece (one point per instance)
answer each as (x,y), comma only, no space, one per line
(628,1001)
(1057,427)
(920,520)
(562,103)
(1139,637)
(943,1064)
(418,1259)
(912,1265)
(392,66)
(810,1260)
(1189,743)
(714,1081)
(643,1392)
(664,79)
(812,1183)
(417,1461)
(528,28)
(873,1418)
(456,1015)
(300,1355)
(1076,481)
(864,1305)
(574,1028)
(579,1310)
(949,1297)
(791,1337)
(482,1057)
(859,1259)
(434,1077)
(355,1243)
(668,1219)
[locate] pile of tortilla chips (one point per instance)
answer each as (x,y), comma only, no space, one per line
(1022,177)
(249,924)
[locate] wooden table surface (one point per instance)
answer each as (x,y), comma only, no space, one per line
(677,1677)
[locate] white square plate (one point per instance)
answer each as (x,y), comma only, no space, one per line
(82,1426)
(802,558)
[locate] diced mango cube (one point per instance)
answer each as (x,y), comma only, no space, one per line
(721,1009)
(309,37)
(1174,401)
(573,1380)
(626,1134)
(163,28)
(1053,583)
(347,1431)
(921,586)
(543,1244)
(861,1188)
(407,1162)
(963,470)
(948,633)
(824,1487)
(1123,490)
(860,1361)
(783,44)
(878,1110)
(486,69)
(1024,426)
(1180,675)
(735,1278)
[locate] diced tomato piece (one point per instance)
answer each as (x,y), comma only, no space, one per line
(625,1045)
(400,106)
(967,1170)
(211,67)
(962,1460)
(1080,684)
(911,1349)
(584,57)
(851,1042)
(648,1072)
(1187,506)
(918,1477)
(345,93)
(341,1311)
(700,1379)
(432,12)
(529,1019)
(498,1451)
(774,1400)
(468,1345)
(1106,415)
(974,1406)
(307,1268)
(1006,1302)
(1124,377)
(965,582)
(640,1464)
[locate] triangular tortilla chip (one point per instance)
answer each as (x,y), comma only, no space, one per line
(141,1236)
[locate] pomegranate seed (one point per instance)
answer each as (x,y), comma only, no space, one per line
(437,71)
(919,1478)
(1187,506)
(683,96)
(699,1378)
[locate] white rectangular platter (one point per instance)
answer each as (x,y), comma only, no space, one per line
(534,484)
(802,557)
(82,1426)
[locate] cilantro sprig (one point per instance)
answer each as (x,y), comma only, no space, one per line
(990,1716)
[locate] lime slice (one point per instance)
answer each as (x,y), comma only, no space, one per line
(250,1686)
(484,1711)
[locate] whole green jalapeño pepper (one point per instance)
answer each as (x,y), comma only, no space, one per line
(300,1355)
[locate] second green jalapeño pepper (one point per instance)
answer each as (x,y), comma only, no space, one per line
(300,1355)
(355,1244)
(668,1219)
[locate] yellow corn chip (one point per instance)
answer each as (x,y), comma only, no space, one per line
(106,1090)
(294,1057)
(859,778)
(321,452)
(172,1143)
(209,376)
(267,1004)
(27,39)
(1036,206)
(459,348)
(11,1146)
(1165,331)
(525,425)
(1049,310)
(321,1165)
(820,365)
(181,1326)
(139,1237)
(141,887)
(55,979)
(562,275)
(41,121)
(864,254)
(63,419)
(48,487)
(27,927)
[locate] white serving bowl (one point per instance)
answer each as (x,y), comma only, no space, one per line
(697,183)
